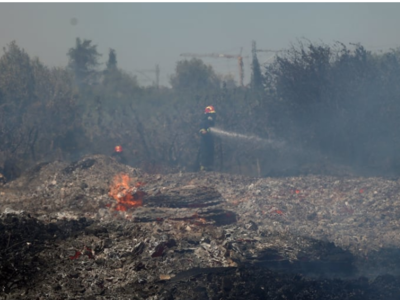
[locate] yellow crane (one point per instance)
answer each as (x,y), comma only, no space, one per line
(221,55)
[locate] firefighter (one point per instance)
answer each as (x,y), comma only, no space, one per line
(206,153)
(119,155)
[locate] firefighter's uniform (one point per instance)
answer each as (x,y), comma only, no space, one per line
(206,154)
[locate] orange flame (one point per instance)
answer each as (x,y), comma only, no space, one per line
(127,196)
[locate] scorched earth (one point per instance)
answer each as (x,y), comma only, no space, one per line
(97,229)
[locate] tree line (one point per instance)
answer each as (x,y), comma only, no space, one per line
(324,105)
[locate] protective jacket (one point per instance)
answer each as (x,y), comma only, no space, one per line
(206,157)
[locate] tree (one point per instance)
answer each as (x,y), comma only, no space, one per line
(83,61)
(17,86)
(342,102)
(228,82)
(194,74)
(256,76)
(37,107)
(112,60)
(53,116)
(15,67)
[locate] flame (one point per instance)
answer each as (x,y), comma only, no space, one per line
(127,196)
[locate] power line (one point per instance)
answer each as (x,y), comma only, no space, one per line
(156,71)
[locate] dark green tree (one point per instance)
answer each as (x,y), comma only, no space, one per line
(83,61)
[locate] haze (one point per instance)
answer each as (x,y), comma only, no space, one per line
(146,34)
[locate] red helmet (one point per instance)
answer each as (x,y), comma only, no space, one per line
(209,110)
(118,148)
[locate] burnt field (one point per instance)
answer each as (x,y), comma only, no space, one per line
(97,229)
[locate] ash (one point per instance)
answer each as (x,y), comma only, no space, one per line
(197,236)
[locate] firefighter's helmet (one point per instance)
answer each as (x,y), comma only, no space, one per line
(118,148)
(209,110)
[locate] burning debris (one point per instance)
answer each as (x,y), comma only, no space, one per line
(99,229)
(126,193)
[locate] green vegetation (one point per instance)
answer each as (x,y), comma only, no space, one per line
(328,103)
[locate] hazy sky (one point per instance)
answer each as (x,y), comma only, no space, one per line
(146,34)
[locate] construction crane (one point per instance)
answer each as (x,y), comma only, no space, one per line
(254,50)
(156,70)
(221,55)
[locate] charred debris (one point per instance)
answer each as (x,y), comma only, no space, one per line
(97,229)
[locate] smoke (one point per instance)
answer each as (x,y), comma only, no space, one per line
(249,138)
(278,157)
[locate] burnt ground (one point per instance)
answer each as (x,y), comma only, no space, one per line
(197,235)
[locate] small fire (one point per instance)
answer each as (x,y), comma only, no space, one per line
(126,194)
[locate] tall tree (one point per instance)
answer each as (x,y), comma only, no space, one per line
(83,61)
(112,60)
(15,67)
(17,85)
(36,109)
(194,74)
(54,115)
(256,76)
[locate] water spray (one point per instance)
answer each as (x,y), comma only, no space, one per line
(248,138)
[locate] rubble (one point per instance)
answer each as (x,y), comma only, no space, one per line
(196,235)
